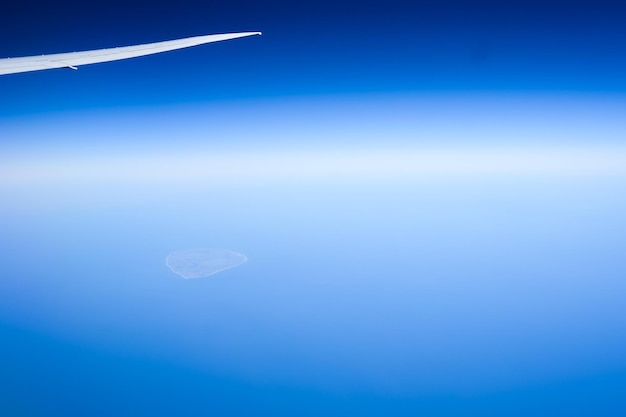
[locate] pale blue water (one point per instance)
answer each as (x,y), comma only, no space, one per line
(453,297)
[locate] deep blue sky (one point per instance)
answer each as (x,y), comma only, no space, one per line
(312,48)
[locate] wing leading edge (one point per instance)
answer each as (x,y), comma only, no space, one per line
(76,59)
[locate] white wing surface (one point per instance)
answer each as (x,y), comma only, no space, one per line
(75,59)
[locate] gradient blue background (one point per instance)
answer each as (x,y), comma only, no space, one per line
(316,48)
(499,294)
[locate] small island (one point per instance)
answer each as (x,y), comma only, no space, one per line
(202,262)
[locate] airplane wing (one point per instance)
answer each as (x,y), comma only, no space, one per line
(75,59)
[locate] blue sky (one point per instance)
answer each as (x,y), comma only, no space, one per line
(314,48)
